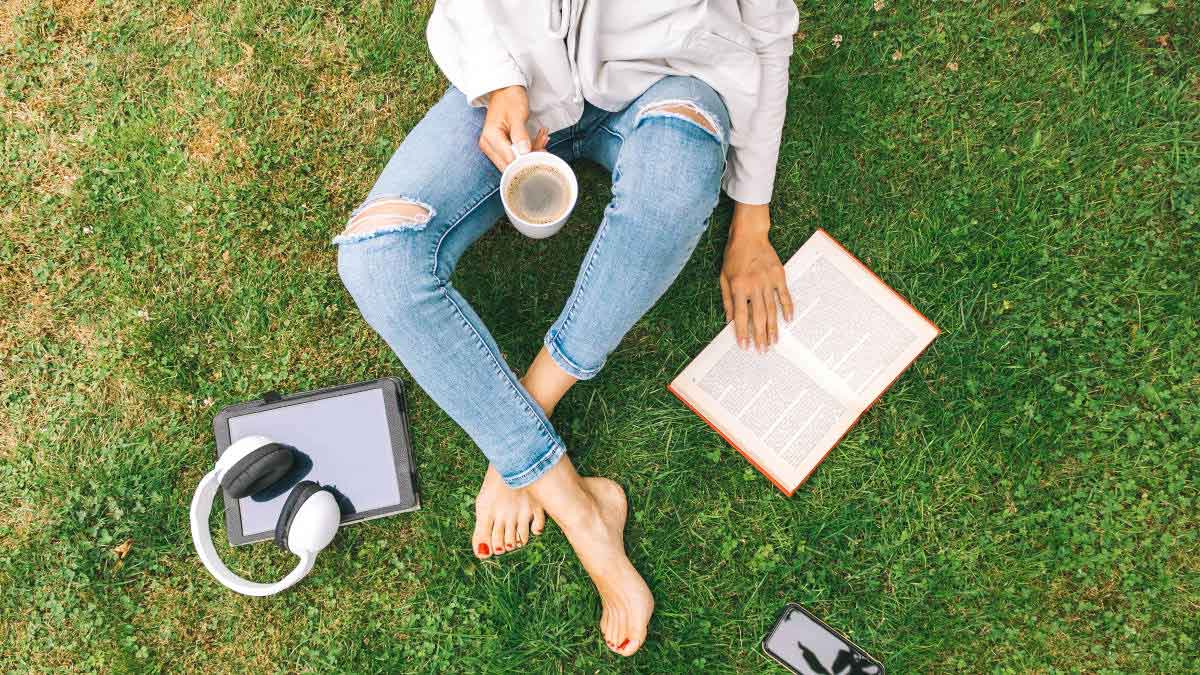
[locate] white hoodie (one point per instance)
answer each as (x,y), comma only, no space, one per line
(609,52)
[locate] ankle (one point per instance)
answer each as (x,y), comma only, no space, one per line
(546,382)
(586,524)
(545,401)
(562,493)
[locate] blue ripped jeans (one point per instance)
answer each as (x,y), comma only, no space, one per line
(666,171)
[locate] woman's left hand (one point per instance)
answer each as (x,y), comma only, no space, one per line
(753,282)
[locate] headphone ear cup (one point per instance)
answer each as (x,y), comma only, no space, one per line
(258,470)
(303,490)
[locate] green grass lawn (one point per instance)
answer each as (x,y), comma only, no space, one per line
(1024,499)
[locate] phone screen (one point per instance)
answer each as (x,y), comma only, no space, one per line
(807,646)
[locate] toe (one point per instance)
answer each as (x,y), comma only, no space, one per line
(510,535)
(539,521)
(635,638)
(498,538)
(635,631)
(610,628)
(481,539)
(616,629)
(523,527)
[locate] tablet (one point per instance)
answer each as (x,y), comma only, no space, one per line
(352,438)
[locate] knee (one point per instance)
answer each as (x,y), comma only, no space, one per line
(381,216)
(382,256)
(688,111)
(677,167)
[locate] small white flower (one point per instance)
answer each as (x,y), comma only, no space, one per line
(879,5)
(837,40)
(143,315)
(208,402)
(87,229)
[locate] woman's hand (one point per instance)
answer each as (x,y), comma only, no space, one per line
(752,279)
(504,127)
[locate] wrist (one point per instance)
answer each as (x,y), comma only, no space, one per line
(750,222)
(508,91)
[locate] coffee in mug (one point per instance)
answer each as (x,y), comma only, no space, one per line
(538,194)
(538,190)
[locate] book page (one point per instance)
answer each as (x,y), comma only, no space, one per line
(860,330)
(769,405)
(850,338)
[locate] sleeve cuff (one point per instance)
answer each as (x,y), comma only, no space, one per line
(748,191)
(477,89)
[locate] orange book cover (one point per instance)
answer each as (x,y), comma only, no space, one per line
(784,486)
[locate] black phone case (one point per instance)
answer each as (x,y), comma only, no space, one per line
(779,619)
(398,429)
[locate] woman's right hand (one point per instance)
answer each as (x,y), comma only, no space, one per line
(504,127)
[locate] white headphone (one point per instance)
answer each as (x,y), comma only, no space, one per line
(307,523)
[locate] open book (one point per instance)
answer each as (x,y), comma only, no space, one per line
(849,340)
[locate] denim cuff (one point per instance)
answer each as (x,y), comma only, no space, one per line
(539,467)
(560,357)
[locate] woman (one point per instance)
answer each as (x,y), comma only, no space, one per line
(678,100)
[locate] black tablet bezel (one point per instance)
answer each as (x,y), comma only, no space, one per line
(398,431)
(775,626)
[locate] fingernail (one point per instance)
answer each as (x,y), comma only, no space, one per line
(483,549)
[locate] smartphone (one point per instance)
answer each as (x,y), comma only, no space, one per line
(804,644)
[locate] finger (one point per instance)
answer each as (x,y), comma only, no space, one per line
(499,149)
(758,314)
(772,318)
(741,319)
(481,541)
(523,519)
(785,296)
(542,139)
(727,300)
(518,136)
(486,148)
(498,538)
(539,521)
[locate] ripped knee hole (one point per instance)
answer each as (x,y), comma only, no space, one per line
(687,110)
(387,214)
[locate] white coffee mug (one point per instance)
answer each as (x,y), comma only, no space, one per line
(550,161)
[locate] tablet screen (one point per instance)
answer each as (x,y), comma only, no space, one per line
(340,441)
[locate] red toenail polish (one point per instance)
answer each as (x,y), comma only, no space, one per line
(483,549)
(622,646)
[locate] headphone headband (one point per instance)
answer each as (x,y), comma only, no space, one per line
(202,503)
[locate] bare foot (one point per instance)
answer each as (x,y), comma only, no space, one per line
(598,540)
(504,517)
